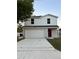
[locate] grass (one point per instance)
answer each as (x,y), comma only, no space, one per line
(56,42)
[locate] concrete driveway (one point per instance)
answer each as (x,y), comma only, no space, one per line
(36,49)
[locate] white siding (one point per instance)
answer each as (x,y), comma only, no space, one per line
(42,21)
(37,33)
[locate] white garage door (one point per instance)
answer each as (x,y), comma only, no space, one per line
(34,33)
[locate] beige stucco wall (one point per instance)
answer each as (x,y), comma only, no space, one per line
(54,33)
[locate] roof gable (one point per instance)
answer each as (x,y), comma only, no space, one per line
(51,15)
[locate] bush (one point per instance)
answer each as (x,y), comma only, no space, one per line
(20,28)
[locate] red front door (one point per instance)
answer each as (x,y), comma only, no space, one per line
(49,33)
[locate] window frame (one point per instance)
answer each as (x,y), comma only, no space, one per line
(48,20)
(32,21)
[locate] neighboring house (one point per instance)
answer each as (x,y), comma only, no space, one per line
(38,27)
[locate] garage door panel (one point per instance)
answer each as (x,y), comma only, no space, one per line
(34,33)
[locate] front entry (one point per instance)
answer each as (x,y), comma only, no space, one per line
(49,33)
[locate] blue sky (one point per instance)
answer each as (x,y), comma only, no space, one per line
(42,7)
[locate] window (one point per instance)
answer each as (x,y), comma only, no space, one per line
(32,21)
(48,21)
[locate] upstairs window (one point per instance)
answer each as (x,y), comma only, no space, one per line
(32,21)
(48,21)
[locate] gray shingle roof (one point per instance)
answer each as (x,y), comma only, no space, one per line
(43,16)
(36,16)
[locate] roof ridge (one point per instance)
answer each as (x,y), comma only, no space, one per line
(44,15)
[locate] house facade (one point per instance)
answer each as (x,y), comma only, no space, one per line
(39,27)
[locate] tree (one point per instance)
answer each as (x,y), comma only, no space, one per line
(24,9)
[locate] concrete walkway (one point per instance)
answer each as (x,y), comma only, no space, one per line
(36,49)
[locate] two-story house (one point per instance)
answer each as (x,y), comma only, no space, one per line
(38,27)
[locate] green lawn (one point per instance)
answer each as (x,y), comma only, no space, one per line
(56,42)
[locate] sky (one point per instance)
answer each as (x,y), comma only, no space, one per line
(43,7)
